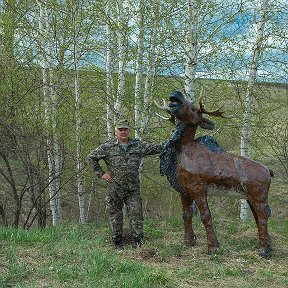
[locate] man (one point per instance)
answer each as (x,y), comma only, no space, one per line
(123,156)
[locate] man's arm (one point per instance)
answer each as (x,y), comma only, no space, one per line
(93,159)
(151,149)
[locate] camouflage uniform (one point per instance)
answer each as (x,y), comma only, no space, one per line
(123,165)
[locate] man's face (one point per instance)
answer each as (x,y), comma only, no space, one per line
(122,134)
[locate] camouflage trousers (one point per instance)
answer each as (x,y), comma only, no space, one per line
(115,201)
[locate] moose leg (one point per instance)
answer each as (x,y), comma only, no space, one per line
(261,213)
(206,218)
(189,236)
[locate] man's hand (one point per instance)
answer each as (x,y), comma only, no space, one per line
(107,177)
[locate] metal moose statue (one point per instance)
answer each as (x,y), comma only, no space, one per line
(199,167)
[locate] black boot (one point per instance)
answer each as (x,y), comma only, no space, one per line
(119,245)
(136,242)
(118,242)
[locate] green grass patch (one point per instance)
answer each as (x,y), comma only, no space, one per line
(70,256)
(82,256)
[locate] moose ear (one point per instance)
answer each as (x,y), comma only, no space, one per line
(207,124)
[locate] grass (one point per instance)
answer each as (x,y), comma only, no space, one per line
(82,256)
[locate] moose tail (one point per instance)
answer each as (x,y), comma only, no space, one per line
(271,173)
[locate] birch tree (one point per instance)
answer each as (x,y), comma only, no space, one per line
(139,69)
(109,71)
(256,50)
(191,51)
(44,67)
(122,46)
(151,66)
(54,158)
(80,164)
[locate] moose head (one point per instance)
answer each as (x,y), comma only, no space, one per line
(182,110)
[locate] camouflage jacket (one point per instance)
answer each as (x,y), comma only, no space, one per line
(123,164)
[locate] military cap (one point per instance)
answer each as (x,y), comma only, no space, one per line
(122,124)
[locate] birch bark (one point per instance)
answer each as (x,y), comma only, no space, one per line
(47,109)
(57,155)
(54,156)
(139,69)
(150,70)
(244,210)
(80,164)
(191,59)
(109,73)
(121,34)
(191,51)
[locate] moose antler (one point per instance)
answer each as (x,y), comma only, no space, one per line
(216,113)
(165,108)
(163,117)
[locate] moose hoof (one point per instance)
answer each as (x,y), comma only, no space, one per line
(264,252)
(213,250)
(190,242)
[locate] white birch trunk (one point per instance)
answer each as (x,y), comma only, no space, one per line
(57,158)
(80,165)
(55,199)
(244,209)
(47,111)
(109,76)
(139,69)
(121,34)
(150,71)
(191,52)
(191,60)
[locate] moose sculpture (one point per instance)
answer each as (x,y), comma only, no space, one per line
(199,167)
